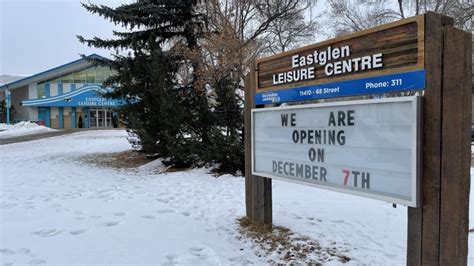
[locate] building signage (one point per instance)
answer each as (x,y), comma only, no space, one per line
(97,101)
(367,148)
(322,70)
(303,66)
(375,85)
(87,96)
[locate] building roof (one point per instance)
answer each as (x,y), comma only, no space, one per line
(50,73)
(5,79)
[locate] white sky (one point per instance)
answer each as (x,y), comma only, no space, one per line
(36,35)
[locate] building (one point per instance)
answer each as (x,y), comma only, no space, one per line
(67,96)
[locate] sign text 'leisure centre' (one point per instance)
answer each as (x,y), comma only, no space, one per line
(386,60)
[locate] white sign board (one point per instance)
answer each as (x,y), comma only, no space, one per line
(368,148)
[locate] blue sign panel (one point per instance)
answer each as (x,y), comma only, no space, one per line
(87,96)
(375,85)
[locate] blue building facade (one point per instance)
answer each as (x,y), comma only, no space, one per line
(67,96)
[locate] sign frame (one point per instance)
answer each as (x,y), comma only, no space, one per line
(416,102)
(345,39)
(437,231)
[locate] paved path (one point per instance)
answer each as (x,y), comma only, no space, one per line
(42,135)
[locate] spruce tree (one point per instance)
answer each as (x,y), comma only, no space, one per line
(227,148)
(170,117)
(166,82)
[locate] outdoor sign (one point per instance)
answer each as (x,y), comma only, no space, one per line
(87,96)
(371,148)
(368,148)
(387,59)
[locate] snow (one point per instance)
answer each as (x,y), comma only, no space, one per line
(21,129)
(56,209)
(155,166)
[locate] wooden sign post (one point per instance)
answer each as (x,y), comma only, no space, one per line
(424,53)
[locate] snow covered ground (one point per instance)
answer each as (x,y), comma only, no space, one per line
(21,129)
(56,209)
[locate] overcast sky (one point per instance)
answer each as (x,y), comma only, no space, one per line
(36,35)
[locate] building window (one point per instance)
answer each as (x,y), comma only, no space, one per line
(90,75)
(56,80)
(100,74)
(41,90)
(69,78)
(80,76)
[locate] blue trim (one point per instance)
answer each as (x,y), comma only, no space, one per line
(60,88)
(47,90)
(85,112)
(413,80)
(84,96)
(44,114)
(73,117)
(52,69)
(61,117)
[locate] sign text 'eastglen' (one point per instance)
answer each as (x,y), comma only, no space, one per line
(304,65)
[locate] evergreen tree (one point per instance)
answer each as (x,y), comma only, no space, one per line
(227,148)
(170,117)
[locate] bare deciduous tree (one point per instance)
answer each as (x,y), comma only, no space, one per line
(355,15)
(295,30)
(240,30)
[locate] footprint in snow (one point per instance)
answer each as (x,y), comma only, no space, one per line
(9,205)
(186,213)
(6,251)
(77,232)
(196,250)
(37,262)
(120,214)
(114,223)
(206,254)
(163,200)
(48,232)
(164,211)
(171,260)
(148,217)
(24,251)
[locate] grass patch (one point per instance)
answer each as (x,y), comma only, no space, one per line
(288,246)
(120,160)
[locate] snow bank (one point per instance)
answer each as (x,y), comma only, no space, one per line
(4,126)
(155,166)
(60,211)
(21,129)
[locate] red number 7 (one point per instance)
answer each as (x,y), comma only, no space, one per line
(346,176)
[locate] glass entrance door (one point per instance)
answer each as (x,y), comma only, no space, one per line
(93,118)
(100,118)
(108,118)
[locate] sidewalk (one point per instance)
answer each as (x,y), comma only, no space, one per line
(44,135)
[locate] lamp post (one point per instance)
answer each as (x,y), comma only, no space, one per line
(8,104)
